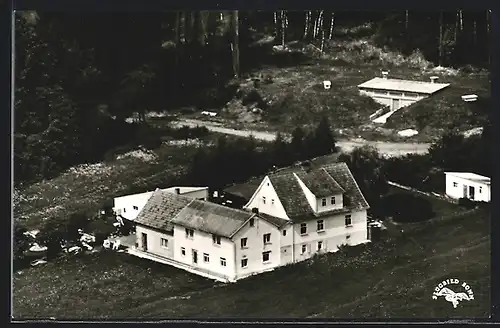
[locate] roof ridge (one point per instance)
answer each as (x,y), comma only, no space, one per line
(356,183)
(220,206)
(411,81)
(343,189)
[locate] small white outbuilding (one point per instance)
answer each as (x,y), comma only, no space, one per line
(468,185)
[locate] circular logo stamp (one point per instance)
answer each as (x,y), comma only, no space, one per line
(453,291)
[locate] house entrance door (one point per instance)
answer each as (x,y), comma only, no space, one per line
(395,104)
(195,256)
(144,242)
(471,192)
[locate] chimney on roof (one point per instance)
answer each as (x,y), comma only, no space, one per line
(178,191)
(385,74)
(255,210)
(434,79)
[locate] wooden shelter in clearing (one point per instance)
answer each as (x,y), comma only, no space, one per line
(397,93)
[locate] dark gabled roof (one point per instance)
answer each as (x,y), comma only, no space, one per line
(320,183)
(341,173)
(295,202)
(161,208)
(244,190)
(290,194)
(278,222)
(212,218)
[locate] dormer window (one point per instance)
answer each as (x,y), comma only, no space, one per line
(332,201)
(323,202)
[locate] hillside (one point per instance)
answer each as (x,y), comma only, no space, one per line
(282,97)
(385,280)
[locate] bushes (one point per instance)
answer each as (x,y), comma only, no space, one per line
(405,207)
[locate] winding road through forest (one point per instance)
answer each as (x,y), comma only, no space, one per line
(384,147)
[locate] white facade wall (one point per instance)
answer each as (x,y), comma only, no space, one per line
(255,247)
(267,201)
(482,191)
(129,206)
(154,242)
(124,205)
(386,98)
(335,234)
(202,243)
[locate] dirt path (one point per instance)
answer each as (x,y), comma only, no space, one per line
(387,148)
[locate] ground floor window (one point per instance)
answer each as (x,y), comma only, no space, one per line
(244,263)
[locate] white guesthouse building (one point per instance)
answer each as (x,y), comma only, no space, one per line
(468,185)
(397,93)
(290,217)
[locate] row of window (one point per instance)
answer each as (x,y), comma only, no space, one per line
(320,225)
(266,257)
(266,238)
(332,201)
(323,201)
(319,245)
(264,200)
(134,207)
(455,184)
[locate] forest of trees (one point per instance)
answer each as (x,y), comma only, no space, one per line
(79,75)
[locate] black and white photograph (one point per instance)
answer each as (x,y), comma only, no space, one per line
(251,164)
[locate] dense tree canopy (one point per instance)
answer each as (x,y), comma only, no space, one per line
(79,75)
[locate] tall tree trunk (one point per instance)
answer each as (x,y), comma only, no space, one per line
(307,23)
(276,26)
(406,19)
(322,36)
(455,32)
(461,17)
(332,25)
(235,46)
(283,28)
(440,58)
(315,27)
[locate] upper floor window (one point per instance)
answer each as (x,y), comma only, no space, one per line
(303,228)
(267,238)
(455,184)
(124,210)
(284,232)
(348,220)
(272,201)
(243,242)
(332,201)
(164,242)
(480,189)
(323,202)
(320,225)
(189,233)
(183,251)
(136,208)
(252,222)
(216,239)
(263,199)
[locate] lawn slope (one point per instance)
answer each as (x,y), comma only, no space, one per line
(389,280)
